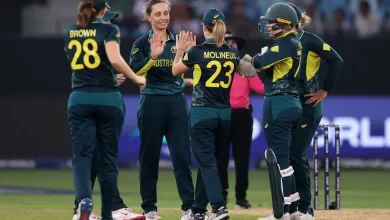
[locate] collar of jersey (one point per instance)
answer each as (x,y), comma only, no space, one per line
(285,34)
(209,41)
(98,20)
(170,35)
(300,33)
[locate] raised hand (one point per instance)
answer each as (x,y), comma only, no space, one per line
(192,40)
(156,45)
(185,40)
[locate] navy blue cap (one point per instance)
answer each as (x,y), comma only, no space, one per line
(211,15)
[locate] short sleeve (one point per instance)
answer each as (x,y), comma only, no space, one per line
(190,57)
(113,33)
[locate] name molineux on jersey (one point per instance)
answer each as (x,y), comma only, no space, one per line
(82,33)
(219,55)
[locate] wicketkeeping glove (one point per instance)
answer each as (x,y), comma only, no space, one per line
(245,67)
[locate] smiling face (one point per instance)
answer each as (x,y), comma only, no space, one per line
(159,16)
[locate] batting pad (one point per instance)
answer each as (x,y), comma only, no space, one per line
(294,197)
(275,178)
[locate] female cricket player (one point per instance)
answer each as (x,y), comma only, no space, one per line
(214,63)
(120,210)
(282,109)
(162,111)
(95,106)
(240,130)
(311,95)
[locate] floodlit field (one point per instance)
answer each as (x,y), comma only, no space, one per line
(47,195)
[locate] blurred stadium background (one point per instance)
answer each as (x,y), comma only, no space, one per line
(36,83)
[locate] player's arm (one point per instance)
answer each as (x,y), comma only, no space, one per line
(140,61)
(331,57)
(272,56)
(185,44)
(114,56)
(183,63)
(178,67)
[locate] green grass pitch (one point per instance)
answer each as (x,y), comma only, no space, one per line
(364,195)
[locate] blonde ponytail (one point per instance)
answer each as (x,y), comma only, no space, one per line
(305,20)
(219,32)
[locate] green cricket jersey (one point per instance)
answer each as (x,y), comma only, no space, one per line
(313,50)
(214,69)
(85,49)
(158,73)
(281,65)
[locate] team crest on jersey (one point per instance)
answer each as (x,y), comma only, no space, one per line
(185,57)
(173,49)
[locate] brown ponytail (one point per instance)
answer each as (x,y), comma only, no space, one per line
(305,20)
(219,32)
(86,12)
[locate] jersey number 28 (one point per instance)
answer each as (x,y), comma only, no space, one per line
(88,53)
(210,82)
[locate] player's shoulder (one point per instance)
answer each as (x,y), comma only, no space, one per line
(313,38)
(144,39)
(68,29)
(193,54)
(110,28)
(311,35)
(71,27)
(289,42)
(196,49)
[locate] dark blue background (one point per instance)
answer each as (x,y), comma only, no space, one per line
(362,119)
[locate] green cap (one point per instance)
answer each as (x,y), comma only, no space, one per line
(110,15)
(100,4)
(297,10)
(211,15)
(281,12)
